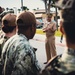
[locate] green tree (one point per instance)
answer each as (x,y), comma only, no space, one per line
(45,2)
(48,4)
(24,8)
(34,9)
(7,8)
(11,9)
(19,10)
(56,19)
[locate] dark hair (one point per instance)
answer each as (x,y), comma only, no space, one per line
(49,15)
(68,16)
(6,28)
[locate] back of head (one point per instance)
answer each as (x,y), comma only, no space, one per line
(26,19)
(26,22)
(8,22)
(67,8)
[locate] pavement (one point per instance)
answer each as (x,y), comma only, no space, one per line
(41,38)
(39,42)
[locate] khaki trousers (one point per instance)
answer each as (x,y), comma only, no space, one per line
(50,47)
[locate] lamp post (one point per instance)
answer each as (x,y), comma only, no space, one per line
(22,5)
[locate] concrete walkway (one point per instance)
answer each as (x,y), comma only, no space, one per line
(39,42)
(39,37)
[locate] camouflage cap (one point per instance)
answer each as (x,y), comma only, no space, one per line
(26,19)
(9,20)
(65,4)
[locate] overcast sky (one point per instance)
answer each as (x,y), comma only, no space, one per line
(31,4)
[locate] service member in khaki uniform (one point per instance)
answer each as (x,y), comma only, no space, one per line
(64,64)
(50,28)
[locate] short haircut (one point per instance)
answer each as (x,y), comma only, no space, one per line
(9,22)
(49,15)
(68,16)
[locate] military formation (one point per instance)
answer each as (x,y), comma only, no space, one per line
(18,57)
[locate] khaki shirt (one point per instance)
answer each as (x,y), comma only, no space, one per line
(50,28)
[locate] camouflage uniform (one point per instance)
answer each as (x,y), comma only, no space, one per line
(20,57)
(3,39)
(62,64)
(6,32)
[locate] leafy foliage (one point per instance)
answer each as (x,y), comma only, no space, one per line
(25,8)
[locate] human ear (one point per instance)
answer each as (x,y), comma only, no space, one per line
(16,28)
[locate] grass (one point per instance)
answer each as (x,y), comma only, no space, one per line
(39,31)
